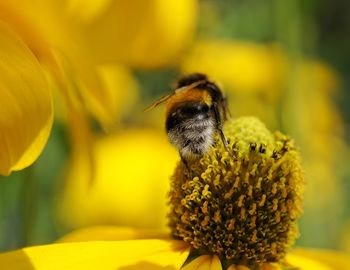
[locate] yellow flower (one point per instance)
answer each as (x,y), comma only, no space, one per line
(118,183)
(214,218)
(25,102)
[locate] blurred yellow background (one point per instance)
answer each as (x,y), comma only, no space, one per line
(108,163)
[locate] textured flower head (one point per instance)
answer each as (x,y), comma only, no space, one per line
(242,207)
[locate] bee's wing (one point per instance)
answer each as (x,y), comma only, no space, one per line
(165,98)
(157,102)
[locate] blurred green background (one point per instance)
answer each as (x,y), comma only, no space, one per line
(297,80)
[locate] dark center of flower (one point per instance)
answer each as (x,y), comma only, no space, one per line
(244,209)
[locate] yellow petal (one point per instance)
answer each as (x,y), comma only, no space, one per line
(113,97)
(25,103)
(331,258)
(111,233)
(86,10)
(60,45)
(204,262)
(303,263)
(137,254)
(16,15)
(120,90)
(143,34)
(129,187)
(242,67)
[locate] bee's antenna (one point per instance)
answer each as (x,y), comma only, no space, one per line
(157,102)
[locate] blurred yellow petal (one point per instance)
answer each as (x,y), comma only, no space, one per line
(319,75)
(58,43)
(254,105)
(111,233)
(25,102)
(303,263)
(143,34)
(204,262)
(118,89)
(137,254)
(240,66)
(121,90)
(126,190)
(86,10)
(330,258)
(12,13)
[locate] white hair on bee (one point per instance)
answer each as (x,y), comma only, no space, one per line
(193,137)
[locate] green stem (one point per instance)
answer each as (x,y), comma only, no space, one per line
(29,204)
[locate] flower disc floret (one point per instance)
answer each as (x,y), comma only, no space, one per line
(241,206)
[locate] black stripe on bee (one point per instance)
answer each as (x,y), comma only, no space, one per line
(198,111)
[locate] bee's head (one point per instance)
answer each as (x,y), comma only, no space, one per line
(191,78)
(205,83)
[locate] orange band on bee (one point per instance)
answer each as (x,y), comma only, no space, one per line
(191,95)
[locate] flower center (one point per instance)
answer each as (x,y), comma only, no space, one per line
(243,208)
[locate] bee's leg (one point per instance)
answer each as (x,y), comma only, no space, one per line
(219,128)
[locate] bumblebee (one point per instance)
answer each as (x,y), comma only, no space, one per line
(194,112)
